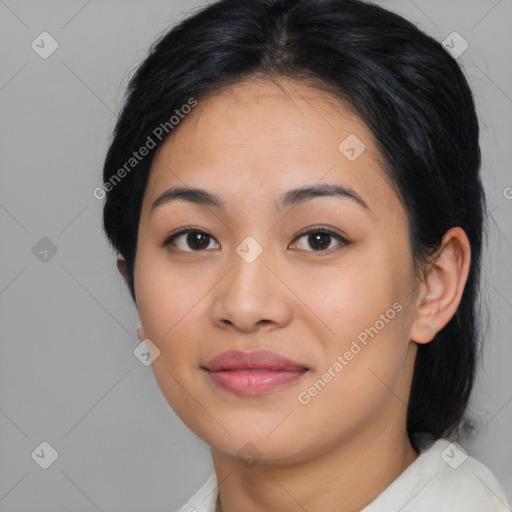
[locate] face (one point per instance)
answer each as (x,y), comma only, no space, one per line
(244,275)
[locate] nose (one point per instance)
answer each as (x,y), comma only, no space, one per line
(251,296)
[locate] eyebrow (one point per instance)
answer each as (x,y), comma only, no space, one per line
(293,197)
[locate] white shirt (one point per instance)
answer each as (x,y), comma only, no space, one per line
(442,479)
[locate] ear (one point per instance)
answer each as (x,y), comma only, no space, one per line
(140,333)
(121,265)
(440,292)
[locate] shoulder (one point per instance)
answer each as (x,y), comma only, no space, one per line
(446,479)
(463,482)
(443,478)
(204,499)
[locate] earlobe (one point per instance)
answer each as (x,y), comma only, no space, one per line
(121,265)
(442,287)
(140,333)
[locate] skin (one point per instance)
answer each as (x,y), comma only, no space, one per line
(250,144)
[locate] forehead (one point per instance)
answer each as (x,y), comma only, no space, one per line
(265,114)
(269,136)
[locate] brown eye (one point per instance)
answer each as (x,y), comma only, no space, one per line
(320,239)
(189,241)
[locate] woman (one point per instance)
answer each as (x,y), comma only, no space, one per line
(293,190)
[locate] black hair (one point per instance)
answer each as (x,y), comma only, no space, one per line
(411,93)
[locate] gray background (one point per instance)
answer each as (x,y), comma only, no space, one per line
(68,373)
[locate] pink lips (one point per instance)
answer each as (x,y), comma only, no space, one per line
(252,373)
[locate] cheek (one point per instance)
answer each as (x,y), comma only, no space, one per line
(347,300)
(363,362)
(165,302)
(164,297)
(363,321)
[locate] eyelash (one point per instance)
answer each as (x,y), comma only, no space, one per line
(312,229)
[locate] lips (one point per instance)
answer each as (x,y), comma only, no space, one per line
(260,359)
(252,373)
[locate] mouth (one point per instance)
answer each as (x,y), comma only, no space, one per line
(253,373)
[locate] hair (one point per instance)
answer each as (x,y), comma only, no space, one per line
(408,90)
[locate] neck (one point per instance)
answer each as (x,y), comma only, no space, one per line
(350,475)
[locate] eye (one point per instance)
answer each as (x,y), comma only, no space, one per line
(320,239)
(193,240)
(196,240)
